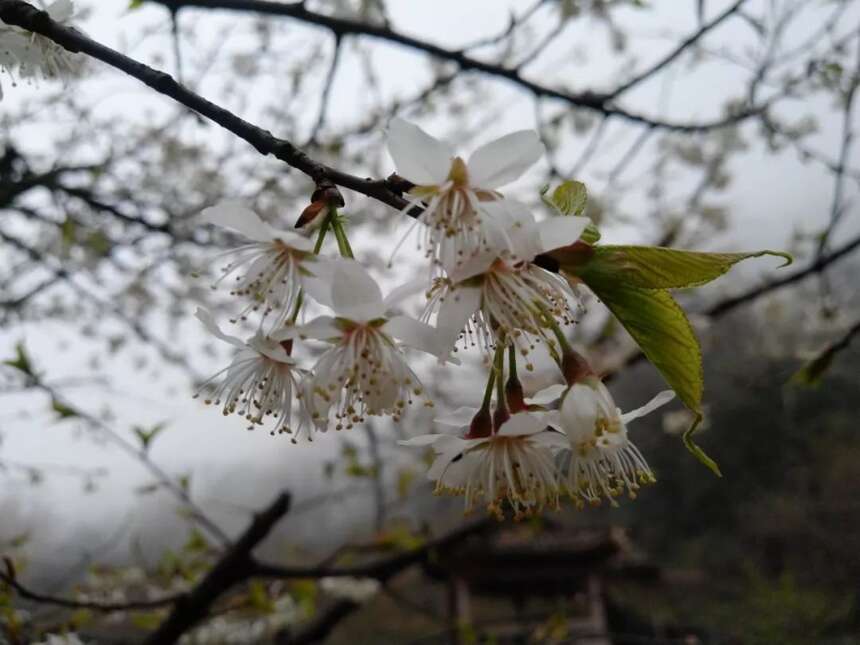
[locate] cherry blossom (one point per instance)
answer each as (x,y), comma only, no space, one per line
(364,371)
(269,271)
(514,465)
(260,382)
(493,297)
(456,193)
(601,460)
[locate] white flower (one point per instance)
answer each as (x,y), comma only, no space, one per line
(455,192)
(358,590)
(515,465)
(494,298)
(259,383)
(364,372)
(33,55)
(602,461)
(275,265)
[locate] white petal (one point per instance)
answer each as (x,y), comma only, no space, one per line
(417,156)
(417,334)
(475,265)
(503,160)
(552,440)
(579,412)
(319,285)
(455,311)
(271,348)
(293,239)
(658,401)
(548,394)
(443,463)
(400,293)
(233,215)
(523,423)
(560,231)
(510,225)
(321,328)
(422,440)
(212,327)
(459,418)
(355,294)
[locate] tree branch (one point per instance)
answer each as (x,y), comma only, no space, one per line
(10,578)
(598,102)
(680,49)
(235,566)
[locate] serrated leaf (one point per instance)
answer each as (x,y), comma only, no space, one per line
(654,267)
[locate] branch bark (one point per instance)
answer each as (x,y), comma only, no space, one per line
(236,565)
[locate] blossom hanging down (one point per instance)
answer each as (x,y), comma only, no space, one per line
(364,372)
(259,383)
(601,461)
(456,193)
(514,465)
(28,55)
(270,270)
(492,297)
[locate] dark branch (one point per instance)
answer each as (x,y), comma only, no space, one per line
(598,102)
(683,46)
(21,14)
(235,566)
(10,578)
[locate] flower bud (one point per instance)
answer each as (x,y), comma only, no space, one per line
(574,367)
(481,425)
(515,395)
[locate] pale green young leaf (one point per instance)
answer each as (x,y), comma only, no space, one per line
(570,197)
(653,267)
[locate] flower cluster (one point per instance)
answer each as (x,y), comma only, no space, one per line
(486,286)
(362,372)
(30,56)
(528,457)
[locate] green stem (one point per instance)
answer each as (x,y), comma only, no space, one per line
(499,368)
(317,247)
(323,230)
(342,241)
(488,393)
(512,361)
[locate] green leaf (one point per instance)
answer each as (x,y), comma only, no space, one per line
(21,362)
(661,329)
(63,410)
(654,267)
(570,198)
(147,436)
